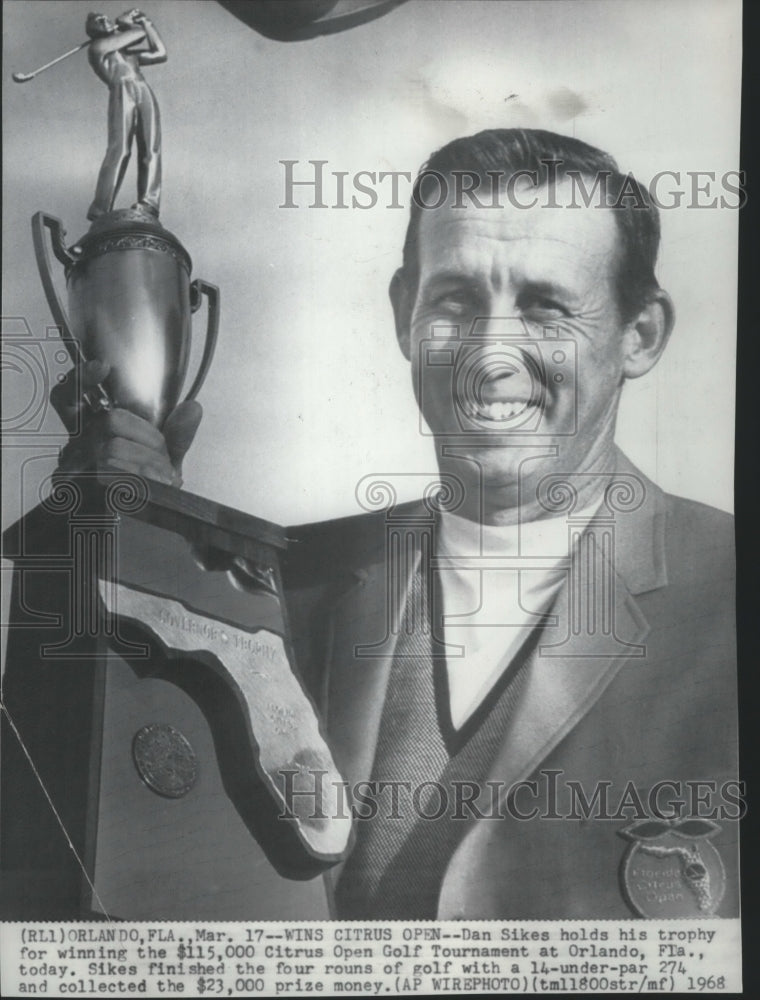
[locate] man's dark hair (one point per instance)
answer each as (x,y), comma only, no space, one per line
(501,153)
(92,27)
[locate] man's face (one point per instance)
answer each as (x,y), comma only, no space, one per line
(100,25)
(537,367)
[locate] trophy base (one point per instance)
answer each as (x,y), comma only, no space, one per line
(131,785)
(128,228)
(137,213)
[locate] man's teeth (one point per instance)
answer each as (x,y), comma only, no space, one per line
(497,410)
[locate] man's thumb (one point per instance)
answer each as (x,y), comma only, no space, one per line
(179,429)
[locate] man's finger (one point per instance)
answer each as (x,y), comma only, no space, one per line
(119,423)
(66,396)
(180,428)
(120,455)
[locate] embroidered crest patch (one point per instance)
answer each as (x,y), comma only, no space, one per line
(671,869)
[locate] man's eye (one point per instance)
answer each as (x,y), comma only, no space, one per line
(543,306)
(454,303)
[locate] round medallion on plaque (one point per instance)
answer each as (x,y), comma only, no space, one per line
(165,760)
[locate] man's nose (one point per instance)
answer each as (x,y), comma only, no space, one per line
(501,328)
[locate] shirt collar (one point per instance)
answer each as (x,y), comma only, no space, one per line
(549,536)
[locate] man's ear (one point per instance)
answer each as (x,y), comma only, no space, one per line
(647,334)
(402,300)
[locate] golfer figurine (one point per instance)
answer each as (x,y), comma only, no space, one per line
(132,107)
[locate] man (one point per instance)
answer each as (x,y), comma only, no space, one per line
(132,108)
(529,682)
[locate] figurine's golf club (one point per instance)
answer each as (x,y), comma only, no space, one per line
(23,77)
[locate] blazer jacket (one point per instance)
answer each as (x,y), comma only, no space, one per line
(625,729)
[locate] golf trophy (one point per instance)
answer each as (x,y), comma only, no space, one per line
(159,747)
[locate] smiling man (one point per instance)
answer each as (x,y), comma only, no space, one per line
(481,269)
(528,682)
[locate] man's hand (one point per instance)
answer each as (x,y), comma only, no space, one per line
(117,440)
(130,18)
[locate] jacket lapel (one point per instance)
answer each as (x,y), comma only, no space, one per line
(566,677)
(564,681)
(363,634)
(598,624)
(359,658)
(356,685)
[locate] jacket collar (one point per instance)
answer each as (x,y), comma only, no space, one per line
(639,529)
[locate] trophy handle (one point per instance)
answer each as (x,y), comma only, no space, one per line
(41,222)
(97,398)
(198,289)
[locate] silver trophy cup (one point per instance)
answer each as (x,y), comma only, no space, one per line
(130,302)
